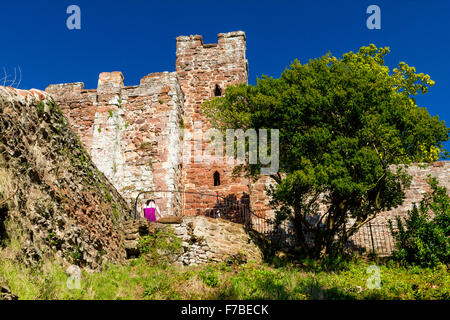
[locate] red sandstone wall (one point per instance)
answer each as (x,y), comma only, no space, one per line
(200,67)
(131,132)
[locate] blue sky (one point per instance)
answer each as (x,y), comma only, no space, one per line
(138,37)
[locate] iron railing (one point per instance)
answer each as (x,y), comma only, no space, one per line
(182,203)
(372,237)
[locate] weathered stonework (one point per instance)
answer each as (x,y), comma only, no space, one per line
(204,69)
(207,239)
(132,133)
(419,186)
(52,197)
(203,239)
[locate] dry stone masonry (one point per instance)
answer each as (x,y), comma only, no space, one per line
(203,239)
(214,240)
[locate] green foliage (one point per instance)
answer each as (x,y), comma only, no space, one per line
(53,240)
(209,276)
(76,255)
(161,101)
(116,215)
(139,280)
(181,123)
(424,237)
(111,113)
(160,246)
(147,145)
(41,107)
(237,259)
(161,285)
(343,123)
(257,283)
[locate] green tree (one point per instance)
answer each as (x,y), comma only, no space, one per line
(343,124)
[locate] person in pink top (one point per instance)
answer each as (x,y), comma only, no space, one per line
(151,211)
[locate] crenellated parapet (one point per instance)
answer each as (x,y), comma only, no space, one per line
(129,130)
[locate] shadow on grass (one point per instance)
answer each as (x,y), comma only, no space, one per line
(271,288)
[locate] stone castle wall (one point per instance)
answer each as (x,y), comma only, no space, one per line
(130,132)
(419,186)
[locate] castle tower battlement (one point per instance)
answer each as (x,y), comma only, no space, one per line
(204,72)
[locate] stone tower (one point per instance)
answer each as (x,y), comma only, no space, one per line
(131,132)
(204,71)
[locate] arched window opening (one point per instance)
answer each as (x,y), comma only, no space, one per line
(217,91)
(216,179)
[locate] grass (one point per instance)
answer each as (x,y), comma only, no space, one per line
(151,276)
(140,280)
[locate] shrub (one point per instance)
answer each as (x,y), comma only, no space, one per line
(210,277)
(424,238)
(161,245)
(237,259)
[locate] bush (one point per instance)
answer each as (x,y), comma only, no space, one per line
(424,238)
(210,277)
(237,259)
(161,246)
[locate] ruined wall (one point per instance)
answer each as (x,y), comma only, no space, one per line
(130,132)
(53,200)
(419,186)
(202,70)
(203,240)
(377,235)
(207,239)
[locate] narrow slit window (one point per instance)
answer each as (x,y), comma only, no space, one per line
(216,179)
(217,91)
